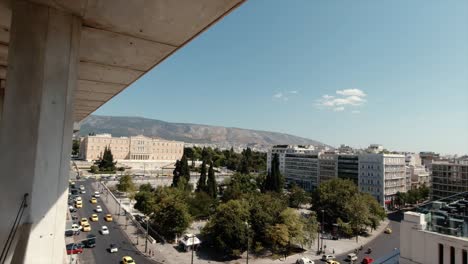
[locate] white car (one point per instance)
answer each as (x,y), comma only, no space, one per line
(304,261)
(76,227)
(97,194)
(82,187)
(104,230)
(83,191)
(98,209)
(113,248)
(327,257)
(78,199)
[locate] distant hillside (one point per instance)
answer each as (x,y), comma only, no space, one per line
(192,133)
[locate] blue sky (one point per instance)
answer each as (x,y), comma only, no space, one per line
(393,72)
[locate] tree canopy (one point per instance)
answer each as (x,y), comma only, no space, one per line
(106,161)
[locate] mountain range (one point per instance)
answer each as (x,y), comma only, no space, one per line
(189,133)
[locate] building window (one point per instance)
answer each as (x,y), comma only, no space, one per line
(452,255)
(441,254)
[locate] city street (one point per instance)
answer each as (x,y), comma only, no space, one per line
(100,253)
(383,244)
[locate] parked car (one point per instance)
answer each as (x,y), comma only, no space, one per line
(74,249)
(76,227)
(304,261)
(90,241)
(331,261)
(388,230)
(69,233)
(367,260)
(327,257)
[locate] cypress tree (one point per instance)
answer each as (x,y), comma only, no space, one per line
(107,160)
(184,168)
(211,182)
(274,181)
(176,174)
(201,185)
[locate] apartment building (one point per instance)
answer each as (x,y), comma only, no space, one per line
(449,178)
(382,175)
(130,148)
(328,166)
(348,167)
(298,165)
(416,174)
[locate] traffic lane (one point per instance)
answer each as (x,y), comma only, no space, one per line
(116,236)
(381,246)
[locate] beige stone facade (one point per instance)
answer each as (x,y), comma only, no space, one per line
(131,148)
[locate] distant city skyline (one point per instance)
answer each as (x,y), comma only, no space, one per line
(354,73)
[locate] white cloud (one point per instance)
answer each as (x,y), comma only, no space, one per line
(278,95)
(344,98)
(284,96)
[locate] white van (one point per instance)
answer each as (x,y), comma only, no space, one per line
(352,257)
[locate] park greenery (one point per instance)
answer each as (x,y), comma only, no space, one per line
(253,209)
(246,162)
(412,196)
(105,163)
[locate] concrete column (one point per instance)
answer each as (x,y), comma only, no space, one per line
(36,131)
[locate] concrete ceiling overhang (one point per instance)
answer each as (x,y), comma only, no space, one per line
(121,40)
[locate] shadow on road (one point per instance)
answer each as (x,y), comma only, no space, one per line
(396,216)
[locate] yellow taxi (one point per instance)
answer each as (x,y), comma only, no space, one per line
(108,218)
(128,260)
(330,261)
(94,218)
(86,227)
(93,200)
(78,204)
(83,221)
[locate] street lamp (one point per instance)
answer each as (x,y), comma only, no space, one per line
(146,238)
(248,244)
(322,230)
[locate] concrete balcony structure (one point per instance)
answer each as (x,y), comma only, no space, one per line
(60,60)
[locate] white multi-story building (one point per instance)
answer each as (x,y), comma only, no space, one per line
(416,174)
(298,164)
(382,175)
(436,234)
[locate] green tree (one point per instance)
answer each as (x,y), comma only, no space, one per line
(332,196)
(423,192)
(400,199)
(126,184)
(238,186)
(200,205)
(279,237)
(265,210)
(202,185)
(292,220)
(311,226)
(274,181)
(297,196)
(184,168)
(176,174)
(212,188)
(106,163)
(145,202)
(376,212)
(146,188)
(170,215)
(227,230)
(358,213)
(76,147)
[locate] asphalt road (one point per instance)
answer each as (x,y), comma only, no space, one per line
(384,244)
(100,253)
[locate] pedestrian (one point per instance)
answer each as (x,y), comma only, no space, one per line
(333,251)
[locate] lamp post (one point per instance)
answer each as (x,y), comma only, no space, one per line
(248,243)
(146,237)
(193,244)
(322,231)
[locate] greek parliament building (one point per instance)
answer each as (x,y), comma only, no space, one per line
(131,148)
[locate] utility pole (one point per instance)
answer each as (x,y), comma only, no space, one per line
(193,244)
(323,222)
(146,238)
